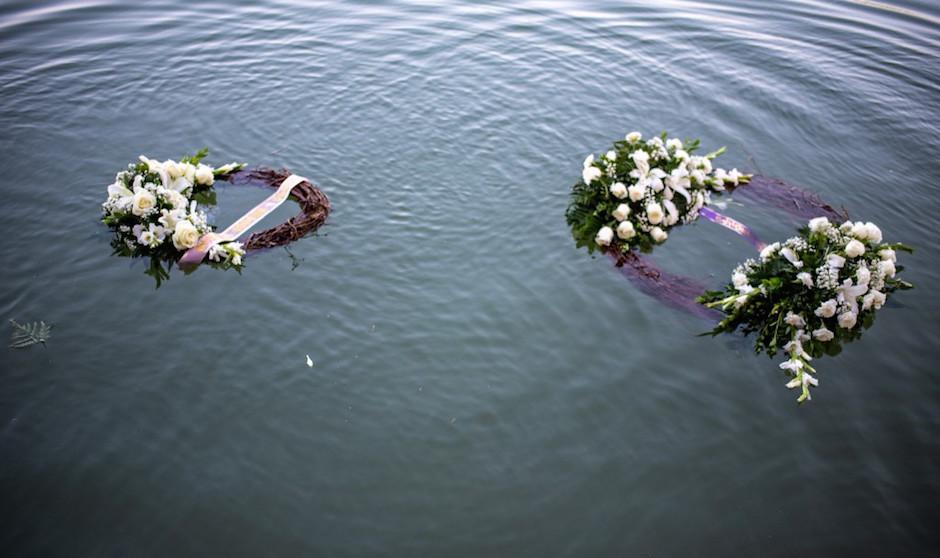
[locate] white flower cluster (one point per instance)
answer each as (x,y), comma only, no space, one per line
(652,186)
(228,253)
(827,279)
(151,209)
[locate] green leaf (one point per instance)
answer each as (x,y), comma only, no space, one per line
(195,159)
(27,335)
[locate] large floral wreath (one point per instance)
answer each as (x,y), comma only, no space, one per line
(808,295)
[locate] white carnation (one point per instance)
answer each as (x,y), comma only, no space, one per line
(590,174)
(819,224)
(634,137)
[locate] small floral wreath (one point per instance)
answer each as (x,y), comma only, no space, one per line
(156,210)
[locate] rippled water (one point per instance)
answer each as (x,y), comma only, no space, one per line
(480,387)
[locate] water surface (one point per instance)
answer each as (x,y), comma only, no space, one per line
(481,387)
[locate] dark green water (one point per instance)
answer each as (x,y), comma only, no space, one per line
(481,388)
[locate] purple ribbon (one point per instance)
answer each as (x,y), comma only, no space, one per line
(734,225)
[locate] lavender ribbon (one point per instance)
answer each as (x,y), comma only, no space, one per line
(732,224)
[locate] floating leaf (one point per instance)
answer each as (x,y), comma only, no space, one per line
(27,335)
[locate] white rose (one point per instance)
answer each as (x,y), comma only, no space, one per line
(873,232)
(204,176)
(887,268)
(734,175)
(698,176)
(739,279)
(769,251)
(590,174)
(854,249)
(625,230)
(185,235)
(658,234)
(827,309)
(794,320)
(618,190)
(636,192)
(847,320)
(604,236)
(823,334)
(835,261)
(863,276)
(588,161)
(859,230)
(634,137)
(682,155)
(887,254)
(611,155)
(143,202)
(805,278)
(654,212)
(819,224)
(674,143)
(622,211)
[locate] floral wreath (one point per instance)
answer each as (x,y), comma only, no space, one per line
(156,210)
(806,296)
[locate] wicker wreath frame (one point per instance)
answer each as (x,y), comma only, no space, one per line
(314,208)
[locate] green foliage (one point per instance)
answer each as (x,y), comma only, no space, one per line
(770,298)
(27,335)
(197,158)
